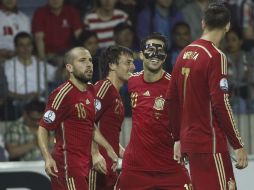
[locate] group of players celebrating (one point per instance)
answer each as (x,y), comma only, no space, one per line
(175,118)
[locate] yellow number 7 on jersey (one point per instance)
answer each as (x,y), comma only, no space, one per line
(185,73)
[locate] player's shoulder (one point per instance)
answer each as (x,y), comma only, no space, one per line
(102,87)
(136,75)
(207,47)
(59,94)
(62,89)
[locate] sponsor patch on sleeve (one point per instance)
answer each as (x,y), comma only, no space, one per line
(97,105)
(49,116)
(224,84)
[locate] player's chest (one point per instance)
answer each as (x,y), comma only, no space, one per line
(148,99)
(82,108)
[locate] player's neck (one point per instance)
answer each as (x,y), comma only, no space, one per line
(151,76)
(80,85)
(115,81)
(214,36)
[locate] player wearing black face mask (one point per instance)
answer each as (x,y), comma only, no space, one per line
(153,52)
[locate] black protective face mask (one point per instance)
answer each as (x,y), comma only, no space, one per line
(154,51)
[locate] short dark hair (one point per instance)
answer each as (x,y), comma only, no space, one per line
(122,26)
(181,23)
(22,35)
(216,15)
(69,57)
(154,35)
(84,36)
(35,105)
(111,55)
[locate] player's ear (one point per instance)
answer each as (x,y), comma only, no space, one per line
(69,68)
(203,24)
(112,66)
(141,55)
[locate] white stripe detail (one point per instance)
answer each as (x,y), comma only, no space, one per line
(206,50)
(64,152)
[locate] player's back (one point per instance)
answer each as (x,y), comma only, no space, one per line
(195,68)
(151,142)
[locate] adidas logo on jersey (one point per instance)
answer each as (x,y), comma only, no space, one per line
(87,101)
(147,93)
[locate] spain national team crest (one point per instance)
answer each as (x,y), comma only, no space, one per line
(159,103)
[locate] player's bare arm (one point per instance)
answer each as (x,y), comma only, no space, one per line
(98,138)
(50,164)
(99,163)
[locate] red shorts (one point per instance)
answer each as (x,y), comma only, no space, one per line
(99,181)
(71,183)
(211,171)
(151,180)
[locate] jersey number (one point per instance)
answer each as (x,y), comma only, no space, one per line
(134,98)
(185,73)
(80,110)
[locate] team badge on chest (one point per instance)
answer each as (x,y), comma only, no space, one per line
(159,103)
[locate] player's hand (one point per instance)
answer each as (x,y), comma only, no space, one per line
(111,153)
(50,167)
(99,163)
(177,152)
(241,158)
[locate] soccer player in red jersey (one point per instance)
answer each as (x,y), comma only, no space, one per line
(148,162)
(198,96)
(70,112)
(117,66)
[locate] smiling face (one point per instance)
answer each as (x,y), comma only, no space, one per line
(153,55)
(124,68)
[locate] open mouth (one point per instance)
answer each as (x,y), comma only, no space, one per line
(154,60)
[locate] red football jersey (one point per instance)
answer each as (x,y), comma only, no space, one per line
(199,91)
(71,113)
(151,142)
(109,116)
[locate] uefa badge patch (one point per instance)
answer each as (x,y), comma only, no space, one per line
(49,116)
(97,105)
(224,84)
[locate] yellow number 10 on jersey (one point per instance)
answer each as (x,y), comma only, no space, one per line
(185,73)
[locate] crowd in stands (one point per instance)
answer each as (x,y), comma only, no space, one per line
(34,35)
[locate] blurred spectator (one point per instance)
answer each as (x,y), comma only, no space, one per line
(12,21)
(3,152)
(29,6)
(243,17)
(181,37)
(26,75)
(4,103)
(124,35)
(238,65)
(103,19)
(20,136)
(131,7)
(55,26)
(160,17)
(89,40)
(193,12)
(83,6)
